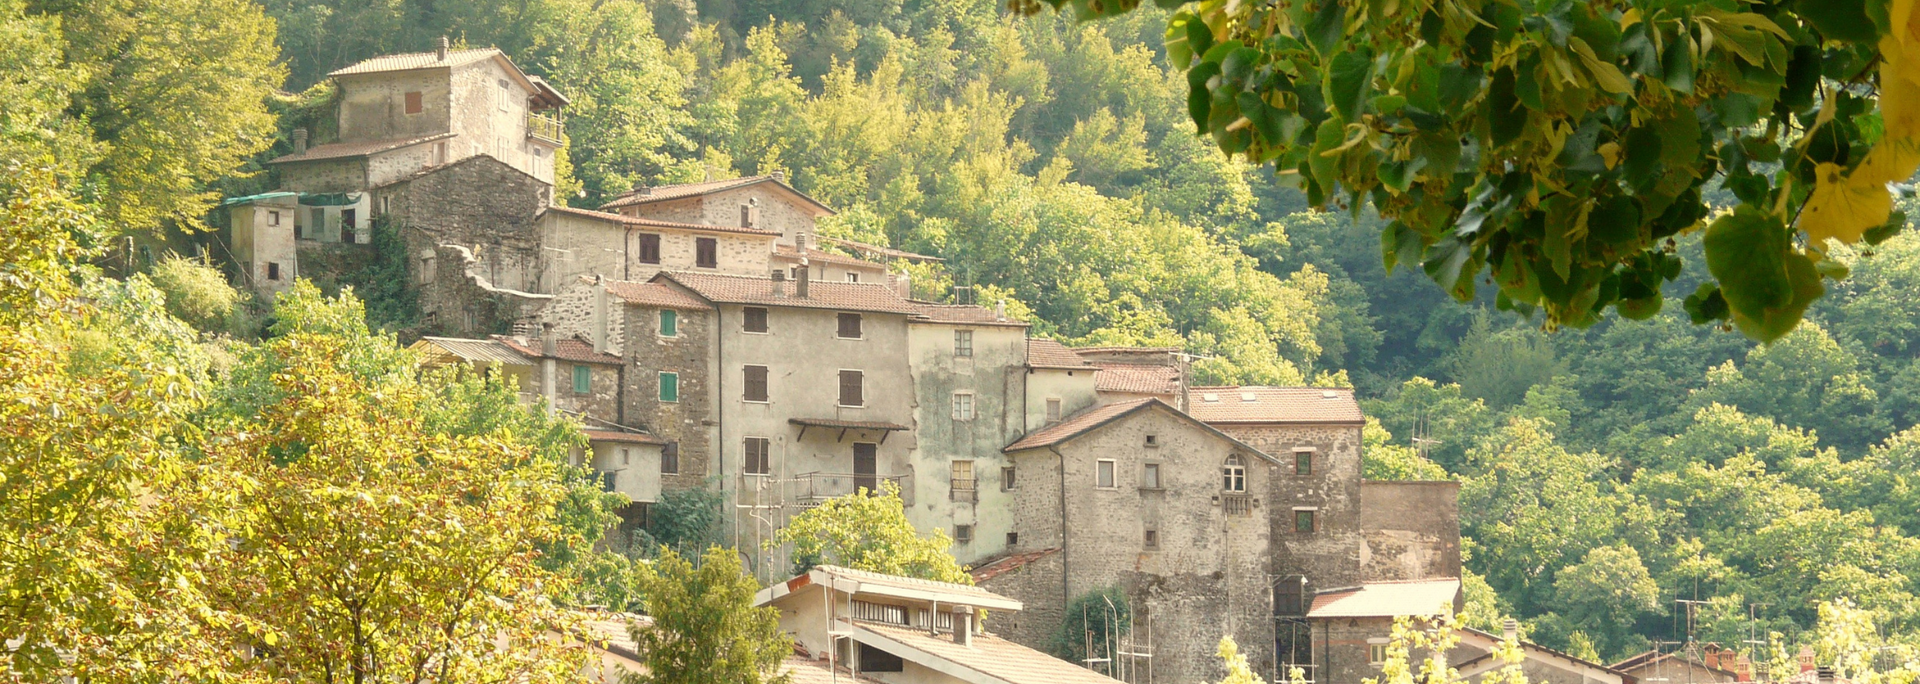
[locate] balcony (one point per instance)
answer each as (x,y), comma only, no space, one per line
(546,129)
(816,487)
(963,490)
(1238,505)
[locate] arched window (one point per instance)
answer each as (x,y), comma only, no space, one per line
(1234,474)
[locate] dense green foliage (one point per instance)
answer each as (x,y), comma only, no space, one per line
(703,624)
(1094,621)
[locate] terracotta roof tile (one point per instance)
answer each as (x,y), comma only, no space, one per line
(964,314)
(1135,378)
(684,190)
(1045,353)
(416,60)
(732,289)
(987,654)
(362,148)
(569,349)
(618,436)
(1009,563)
(492,351)
(1386,599)
(656,223)
(655,294)
(887,252)
(792,253)
(1315,405)
(1083,421)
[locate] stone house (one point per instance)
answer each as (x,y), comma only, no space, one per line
(1141,496)
(902,630)
(1710,665)
(763,202)
(966,364)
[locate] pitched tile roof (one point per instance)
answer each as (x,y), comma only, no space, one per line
(1474,638)
(661,295)
(362,148)
(792,253)
(733,289)
(987,658)
(684,190)
(619,436)
(1253,404)
(1093,418)
(416,60)
(1009,563)
(1136,378)
(656,223)
(1386,599)
(963,314)
(1045,353)
(568,349)
(799,669)
(445,349)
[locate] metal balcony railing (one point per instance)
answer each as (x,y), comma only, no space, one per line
(549,129)
(963,490)
(822,486)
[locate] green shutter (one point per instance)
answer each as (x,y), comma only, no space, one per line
(669,386)
(582,379)
(669,322)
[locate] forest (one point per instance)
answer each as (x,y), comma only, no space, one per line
(1607,472)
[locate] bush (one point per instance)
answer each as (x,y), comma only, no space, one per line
(199,294)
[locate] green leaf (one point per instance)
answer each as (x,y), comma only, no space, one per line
(1348,82)
(1844,20)
(1400,244)
(1238,65)
(1199,36)
(1199,100)
(1329,136)
(1615,221)
(1328,27)
(1706,305)
(1604,72)
(1446,264)
(1677,62)
(1458,85)
(1643,154)
(1766,284)
(1803,76)
(1506,119)
(1265,119)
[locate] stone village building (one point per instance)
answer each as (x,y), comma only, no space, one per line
(705,336)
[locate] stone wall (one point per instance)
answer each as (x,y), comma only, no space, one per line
(602,401)
(1037,585)
(581,246)
(331,175)
(737,253)
(487,209)
(573,313)
(1412,530)
(779,211)
(1342,644)
(1329,556)
(373,106)
(687,422)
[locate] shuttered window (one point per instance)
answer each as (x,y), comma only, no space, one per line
(756,383)
(649,248)
(756,456)
(756,319)
(669,323)
(582,379)
(850,326)
(670,387)
(852,390)
(414,104)
(670,458)
(707,252)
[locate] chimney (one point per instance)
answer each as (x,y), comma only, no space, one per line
(299,141)
(1806,659)
(1510,630)
(963,625)
(600,314)
(779,175)
(444,46)
(547,348)
(1000,310)
(801,277)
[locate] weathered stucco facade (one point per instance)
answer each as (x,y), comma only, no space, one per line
(967,406)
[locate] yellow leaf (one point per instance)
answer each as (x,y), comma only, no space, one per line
(1604,73)
(1843,206)
(1611,153)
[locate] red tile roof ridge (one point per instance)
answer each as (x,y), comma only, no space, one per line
(359,148)
(676,191)
(1009,562)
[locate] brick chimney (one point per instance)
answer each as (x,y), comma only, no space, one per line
(963,625)
(1806,659)
(445,45)
(801,277)
(299,141)
(779,175)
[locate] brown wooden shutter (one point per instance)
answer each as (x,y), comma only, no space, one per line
(413,102)
(756,319)
(851,389)
(708,255)
(756,383)
(649,248)
(850,325)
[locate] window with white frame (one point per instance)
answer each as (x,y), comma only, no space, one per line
(963,343)
(1234,474)
(1150,477)
(963,406)
(1103,474)
(1376,651)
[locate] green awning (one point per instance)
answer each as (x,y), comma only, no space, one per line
(336,199)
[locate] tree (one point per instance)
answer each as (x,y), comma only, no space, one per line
(1606,593)
(1557,146)
(1238,671)
(1384,460)
(704,626)
(197,293)
(1418,650)
(869,531)
(1096,620)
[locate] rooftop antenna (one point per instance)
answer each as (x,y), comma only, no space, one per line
(1421,442)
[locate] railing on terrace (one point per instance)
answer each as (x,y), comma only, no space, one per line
(963,490)
(1237,504)
(822,486)
(543,127)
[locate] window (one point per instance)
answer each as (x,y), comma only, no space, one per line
(1303,520)
(582,378)
(1150,479)
(849,326)
(670,459)
(273,218)
(1053,410)
(962,534)
(756,456)
(963,406)
(1013,539)
(649,248)
(669,387)
(1152,540)
(1006,479)
(347,225)
(963,343)
(669,323)
(626,456)
(1234,474)
(706,252)
(1303,463)
(1376,651)
(853,277)
(876,660)
(414,103)
(749,215)
(756,382)
(1153,440)
(273,271)
(852,389)
(505,95)
(1103,474)
(961,478)
(756,319)
(1288,595)
(318,226)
